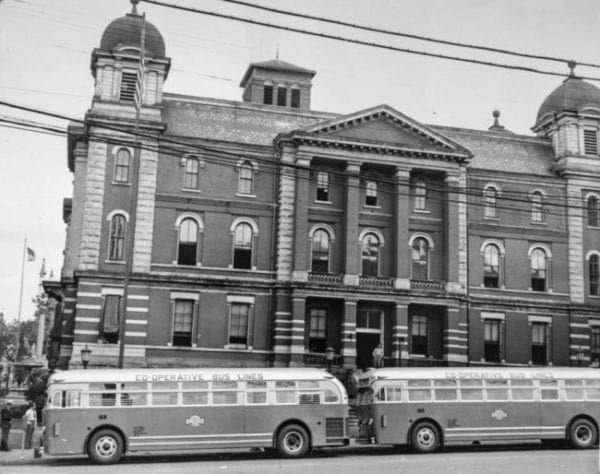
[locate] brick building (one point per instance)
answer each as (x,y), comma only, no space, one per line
(265,232)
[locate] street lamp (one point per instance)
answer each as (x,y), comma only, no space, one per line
(85,356)
(329,355)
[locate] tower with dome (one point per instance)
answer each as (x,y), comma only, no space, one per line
(267,233)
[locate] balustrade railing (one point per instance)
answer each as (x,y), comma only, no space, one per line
(325,278)
(427,285)
(376,281)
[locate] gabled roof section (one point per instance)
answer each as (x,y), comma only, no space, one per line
(382,128)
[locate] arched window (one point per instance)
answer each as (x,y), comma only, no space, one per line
(593,211)
(371,193)
(188,242)
(420,195)
(538,269)
(420,259)
(490,197)
(117,237)
(370,255)
(594,267)
(320,251)
(537,207)
(491,266)
(122,161)
(192,166)
(242,246)
(245,184)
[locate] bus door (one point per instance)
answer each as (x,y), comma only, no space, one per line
(554,415)
(260,418)
(64,427)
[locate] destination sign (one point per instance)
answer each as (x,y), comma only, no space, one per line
(199,376)
(490,375)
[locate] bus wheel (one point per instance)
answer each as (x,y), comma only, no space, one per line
(583,434)
(292,441)
(425,437)
(105,447)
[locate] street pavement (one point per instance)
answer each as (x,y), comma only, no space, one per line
(530,458)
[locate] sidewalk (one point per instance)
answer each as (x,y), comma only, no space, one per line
(16,455)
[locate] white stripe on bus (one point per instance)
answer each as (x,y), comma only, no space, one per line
(509,428)
(201,436)
(506,433)
(232,441)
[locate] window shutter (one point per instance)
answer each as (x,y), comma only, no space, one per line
(590,142)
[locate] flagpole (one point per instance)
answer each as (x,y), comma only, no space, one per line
(136,162)
(18,341)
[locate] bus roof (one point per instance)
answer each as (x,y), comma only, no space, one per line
(480,373)
(187,374)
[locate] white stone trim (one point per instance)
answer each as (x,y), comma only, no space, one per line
(184,295)
(189,215)
(111,291)
(241,299)
(594,322)
(245,220)
(426,236)
(590,253)
(494,315)
(495,242)
(540,319)
(253,163)
(539,245)
(371,230)
(114,212)
(326,227)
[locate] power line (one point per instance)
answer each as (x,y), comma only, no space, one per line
(364,43)
(177,148)
(406,35)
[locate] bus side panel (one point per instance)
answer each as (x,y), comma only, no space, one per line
(556,416)
(317,418)
(66,430)
(391,422)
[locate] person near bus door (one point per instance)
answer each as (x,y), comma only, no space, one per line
(378,356)
(5,422)
(30,421)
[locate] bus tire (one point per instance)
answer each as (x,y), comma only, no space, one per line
(425,437)
(292,441)
(105,447)
(583,434)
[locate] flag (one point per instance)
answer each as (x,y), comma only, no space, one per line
(138,95)
(30,255)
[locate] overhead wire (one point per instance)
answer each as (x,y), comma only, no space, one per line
(177,148)
(363,42)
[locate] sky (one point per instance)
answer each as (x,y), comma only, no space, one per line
(45,48)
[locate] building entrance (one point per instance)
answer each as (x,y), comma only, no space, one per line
(365,343)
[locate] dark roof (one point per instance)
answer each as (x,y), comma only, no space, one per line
(127,31)
(275,65)
(499,151)
(572,95)
(256,124)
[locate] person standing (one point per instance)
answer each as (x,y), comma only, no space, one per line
(378,356)
(5,423)
(30,421)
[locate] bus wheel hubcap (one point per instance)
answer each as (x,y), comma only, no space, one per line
(106,446)
(293,441)
(583,434)
(426,437)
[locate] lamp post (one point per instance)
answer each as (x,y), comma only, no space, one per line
(85,356)
(329,354)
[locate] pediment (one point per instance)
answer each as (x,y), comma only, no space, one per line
(382,125)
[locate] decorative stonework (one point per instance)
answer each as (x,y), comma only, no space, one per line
(575,226)
(92,206)
(462,229)
(285,222)
(144,224)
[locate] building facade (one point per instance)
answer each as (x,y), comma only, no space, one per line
(265,232)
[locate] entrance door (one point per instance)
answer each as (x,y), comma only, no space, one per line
(365,343)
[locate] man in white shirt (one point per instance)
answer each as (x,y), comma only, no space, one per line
(30,422)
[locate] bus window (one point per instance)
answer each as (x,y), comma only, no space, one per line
(285,384)
(308,384)
(522,389)
(164,393)
(225,393)
(470,390)
(256,393)
(133,394)
(548,390)
(330,392)
(417,391)
(574,389)
(593,389)
(105,396)
(285,397)
(195,398)
(310,398)
(496,389)
(393,394)
(445,390)
(65,398)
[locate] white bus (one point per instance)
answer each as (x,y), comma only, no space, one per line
(108,413)
(429,407)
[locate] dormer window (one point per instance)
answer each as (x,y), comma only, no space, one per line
(128,80)
(295,99)
(268,94)
(282,96)
(590,141)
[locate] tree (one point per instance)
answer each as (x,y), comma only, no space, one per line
(36,384)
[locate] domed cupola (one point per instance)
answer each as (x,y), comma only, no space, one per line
(115,64)
(573,97)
